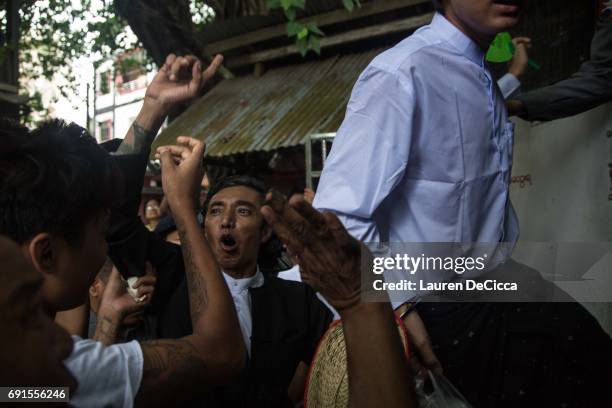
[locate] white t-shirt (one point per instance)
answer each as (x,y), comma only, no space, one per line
(108,376)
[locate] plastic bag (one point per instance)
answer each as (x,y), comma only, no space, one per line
(438,392)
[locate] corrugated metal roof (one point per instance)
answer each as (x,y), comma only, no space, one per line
(224,29)
(279,109)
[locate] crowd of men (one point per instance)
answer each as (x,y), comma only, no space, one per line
(199,321)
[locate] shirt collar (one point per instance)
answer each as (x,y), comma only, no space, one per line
(240,285)
(458,39)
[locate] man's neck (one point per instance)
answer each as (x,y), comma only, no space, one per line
(483,40)
(241,273)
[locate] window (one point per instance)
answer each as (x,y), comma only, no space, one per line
(106,130)
(104,82)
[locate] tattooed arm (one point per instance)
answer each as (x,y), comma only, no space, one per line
(179,80)
(177,369)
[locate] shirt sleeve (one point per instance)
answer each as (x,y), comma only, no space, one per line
(121,364)
(508,85)
(370,151)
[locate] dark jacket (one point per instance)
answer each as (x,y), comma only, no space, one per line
(288,319)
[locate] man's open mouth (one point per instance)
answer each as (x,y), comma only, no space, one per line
(228,243)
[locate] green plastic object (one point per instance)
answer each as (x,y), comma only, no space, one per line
(501,49)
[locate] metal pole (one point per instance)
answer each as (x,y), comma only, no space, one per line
(308,153)
(13,39)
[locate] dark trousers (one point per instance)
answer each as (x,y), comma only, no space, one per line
(522,354)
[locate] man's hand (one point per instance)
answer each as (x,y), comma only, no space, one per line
(178,80)
(518,63)
(424,359)
(182,173)
(329,258)
(116,304)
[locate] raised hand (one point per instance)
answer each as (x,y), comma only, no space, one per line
(329,258)
(518,63)
(179,80)
(182,172)
(117,303)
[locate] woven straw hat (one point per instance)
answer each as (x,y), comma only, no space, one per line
(327,384)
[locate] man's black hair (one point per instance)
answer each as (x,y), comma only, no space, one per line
(438,6)
(53,179)
(235,181)
(270,258)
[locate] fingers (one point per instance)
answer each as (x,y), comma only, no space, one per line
(420,340)
(181,65)
(211,70)
(167,163)
(147,280)
(196,79)
(337,230)
(187,141)
(282,230)
(314,217)
(168,63)
(145,290)
(522,40)
(178,152)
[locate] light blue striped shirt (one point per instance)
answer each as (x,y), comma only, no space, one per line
(425,150)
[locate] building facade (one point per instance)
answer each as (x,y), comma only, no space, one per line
(120,88)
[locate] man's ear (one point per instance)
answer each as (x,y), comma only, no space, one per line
(266,232)
(96,289)
(42,252)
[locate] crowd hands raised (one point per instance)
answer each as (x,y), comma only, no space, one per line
(51,262)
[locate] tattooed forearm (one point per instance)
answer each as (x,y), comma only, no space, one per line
(169,362)
(137,141)
(107,330)
(198,296)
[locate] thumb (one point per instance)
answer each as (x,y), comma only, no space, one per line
(114,284)
(167,164)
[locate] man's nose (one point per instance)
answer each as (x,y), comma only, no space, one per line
(228,220)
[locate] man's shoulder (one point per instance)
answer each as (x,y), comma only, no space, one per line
(409,53)
(122,364)
(88,352)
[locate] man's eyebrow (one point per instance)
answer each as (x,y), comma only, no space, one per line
(246,203)
(237,202)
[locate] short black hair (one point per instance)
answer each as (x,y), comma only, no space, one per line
(438,6)
(53,179)
(235,181)
(270,257)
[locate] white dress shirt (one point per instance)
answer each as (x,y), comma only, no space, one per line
(108,376)
(425,150)
(239,288)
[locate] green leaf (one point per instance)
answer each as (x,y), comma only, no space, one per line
(348,4)
(314,44)
(302,46)
(272,4)
(303,33)
(286,4)
(294,28)
(290,14)
(299,4)
(313,28)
